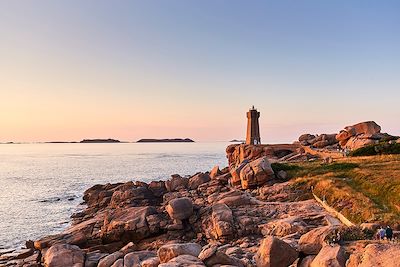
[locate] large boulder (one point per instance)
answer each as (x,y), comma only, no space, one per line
(92,258)
(109,260)
(222,219)
(284,227)
(387,255)
(256,173)
(306,137)
(180,208)
(136,196)
(358,141)
(235,173)
(215,172)
(274,252)
(128,224)
(212,256)
(312,242)
(365,130)
(187,260)
(137,258)
(61,255)
(176,183)
(170,251)
(330,256)
(233,199)
(198,179)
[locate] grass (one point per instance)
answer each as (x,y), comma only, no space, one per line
(362,188)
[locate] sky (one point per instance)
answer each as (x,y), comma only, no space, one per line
(182,68)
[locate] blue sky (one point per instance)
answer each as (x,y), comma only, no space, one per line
(133,69)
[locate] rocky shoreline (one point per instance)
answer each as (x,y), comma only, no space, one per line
(244,215)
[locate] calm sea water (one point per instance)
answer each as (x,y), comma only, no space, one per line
(41,185)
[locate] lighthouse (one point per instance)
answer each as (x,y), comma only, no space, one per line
(253,128)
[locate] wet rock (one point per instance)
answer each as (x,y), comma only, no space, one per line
(198,179)
(170,251)
(274,252)
(180,208)
(61,255)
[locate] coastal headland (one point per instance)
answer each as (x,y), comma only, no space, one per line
(275,205)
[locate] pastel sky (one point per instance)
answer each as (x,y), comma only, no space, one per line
(182,68)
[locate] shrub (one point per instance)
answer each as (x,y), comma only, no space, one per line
(284,167)
(383,148)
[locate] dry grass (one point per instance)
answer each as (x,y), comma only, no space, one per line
(362,188)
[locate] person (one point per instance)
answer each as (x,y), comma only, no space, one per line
(338,237)
(382,233)
(389,233)
(378,235)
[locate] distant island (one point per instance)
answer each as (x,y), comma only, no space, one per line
(173,140)
(61,142)
(100,141)
(237,141)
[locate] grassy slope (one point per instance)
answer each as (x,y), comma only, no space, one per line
(362,188)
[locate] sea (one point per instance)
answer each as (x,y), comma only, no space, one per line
(42,184)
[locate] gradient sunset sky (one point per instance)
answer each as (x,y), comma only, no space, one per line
(152,69)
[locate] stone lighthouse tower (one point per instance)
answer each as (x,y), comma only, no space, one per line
(253,128)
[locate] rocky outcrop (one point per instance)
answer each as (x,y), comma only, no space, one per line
(351,137)
(284,227)
(274,252)
(198,179)
(256,173)
(127,224)
(313,241)
(238,153)
(318,141)
(180,208)
(387,255)
(61,255)
(170,251)
(196,221)
(330,256)
(222,219)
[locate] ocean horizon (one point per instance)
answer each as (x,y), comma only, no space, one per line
(43,184)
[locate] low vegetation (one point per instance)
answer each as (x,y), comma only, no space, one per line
(383,148)
(364,189)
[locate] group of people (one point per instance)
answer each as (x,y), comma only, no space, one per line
(384,232)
